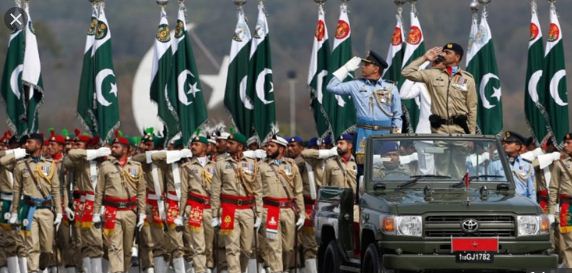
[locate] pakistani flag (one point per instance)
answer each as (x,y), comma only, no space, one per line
(414,49)
(534,100)
(395,53)
(86,99)
(318,72)
(192,110)
(162,92)
(107,110)
(237,97)
(11,88)
(340,109)
(482,64)
(32,76)
(260,79)
(557,103)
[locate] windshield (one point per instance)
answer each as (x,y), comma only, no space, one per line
(445,160)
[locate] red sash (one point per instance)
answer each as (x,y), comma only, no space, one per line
(273,206)
(543,200)
(229,204)
(155,217)
(565,214)
(172,208)
(309,208)
(114,204)
(86,215)
(197,208)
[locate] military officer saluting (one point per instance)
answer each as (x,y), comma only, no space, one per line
(121,190)
(452,90)
(377,102)
(36,193)
(522,170)
(560,192)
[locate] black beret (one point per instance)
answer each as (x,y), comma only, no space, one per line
(454,47)
(375,59)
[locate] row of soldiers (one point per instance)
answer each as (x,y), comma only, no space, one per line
(222,202)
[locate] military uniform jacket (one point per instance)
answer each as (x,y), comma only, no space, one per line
(7,163)
(561,182)
(76,162)
(301,163)
(148,173)
(196,179)
(317,164)
(452,95)
(227,180)
(338,173)
(523,174)
(120,182)
(281,179)
(46,175)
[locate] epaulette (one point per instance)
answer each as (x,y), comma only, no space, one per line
(467,73)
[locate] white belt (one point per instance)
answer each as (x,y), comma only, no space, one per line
(152,197)
(172,197)
(6,196)
(89,197)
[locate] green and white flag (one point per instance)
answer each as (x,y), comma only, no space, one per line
(395,52)
(162,89)
(32,76)
(533,100)
(483,66)
(237,97)
(192,110)
(557,103)
(107,110)
(11,88)
(414,48)
(318,72)
(340,109)
(260,79)
(86,102)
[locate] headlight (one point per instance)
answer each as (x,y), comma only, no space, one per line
(532,225)
(402,225)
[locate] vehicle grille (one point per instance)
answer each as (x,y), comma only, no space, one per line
(489,226)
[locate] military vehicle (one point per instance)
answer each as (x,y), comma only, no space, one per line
(432,203)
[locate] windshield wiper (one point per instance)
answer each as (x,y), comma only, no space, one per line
(416,178)
(471,178)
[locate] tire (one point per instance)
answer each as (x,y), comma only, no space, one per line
(332,259)
(372,261)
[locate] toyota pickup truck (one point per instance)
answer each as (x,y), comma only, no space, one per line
(432,203)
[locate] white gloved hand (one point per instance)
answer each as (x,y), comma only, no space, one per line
(148,156)
(322,154)
(97,153)
(546,160)
(179,221)
(551,219)
(257,223)
(13,218)
(58,221)
(351,66)
(96,219)
(300,222)
(186,153)
(141,221)
(260,154)
(70,214)
(19,153)
(215,222)
(249,154)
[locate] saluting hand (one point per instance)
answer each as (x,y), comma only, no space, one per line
(432,53)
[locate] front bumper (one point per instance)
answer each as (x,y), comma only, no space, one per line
(418,262)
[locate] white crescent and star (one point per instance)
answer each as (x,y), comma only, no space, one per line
(532,85)
(260,92)
(99,78)
(193,89)
(319,85)
(496,91)
(14,80)
(246,101)
(554,87)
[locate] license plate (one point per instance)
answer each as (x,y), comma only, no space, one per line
(474,257)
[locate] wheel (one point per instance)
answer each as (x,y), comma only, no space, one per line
(372,261)
(332,259)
